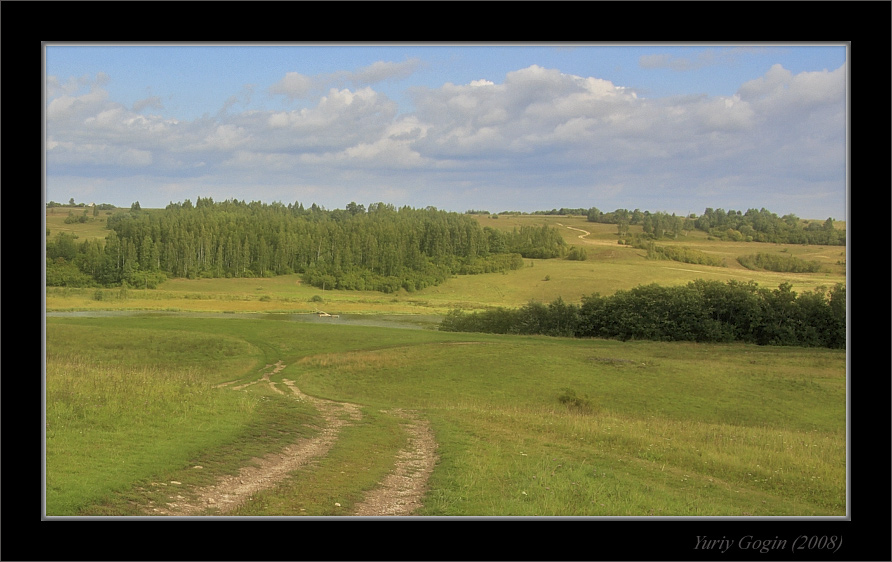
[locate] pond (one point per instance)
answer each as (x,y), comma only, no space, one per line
(404,321)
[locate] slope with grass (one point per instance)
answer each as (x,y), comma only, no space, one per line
(669,429)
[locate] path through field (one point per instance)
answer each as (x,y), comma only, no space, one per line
(398,494)
(587,233)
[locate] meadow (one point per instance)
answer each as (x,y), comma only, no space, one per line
(669,429)
(134,406)
(610,267)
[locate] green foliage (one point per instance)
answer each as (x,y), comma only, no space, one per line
(781,264)
(380,248)
(71,219)
(60,273)
(752,226)
(677,253)
(581,404)
(492,264)
(764,226)
(577,253)
(702,311)
(537,242)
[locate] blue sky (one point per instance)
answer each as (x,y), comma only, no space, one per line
(508,127)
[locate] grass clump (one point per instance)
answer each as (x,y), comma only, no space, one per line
(576,403)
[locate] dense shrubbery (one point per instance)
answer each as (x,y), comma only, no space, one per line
(702,311)
(492,264)
(577,253)
(536,242)
(782,264)
(675,253)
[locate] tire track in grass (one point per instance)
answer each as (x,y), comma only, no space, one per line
(400,492)
(231,491)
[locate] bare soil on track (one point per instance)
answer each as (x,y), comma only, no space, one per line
(398,494)
(401,491)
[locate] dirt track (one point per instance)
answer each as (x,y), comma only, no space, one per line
(586,233)
(398,494)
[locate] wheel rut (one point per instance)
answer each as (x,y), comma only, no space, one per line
(398,494)
(401,491)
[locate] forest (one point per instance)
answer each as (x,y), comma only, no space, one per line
(376,248)
(701,311)
(752,226)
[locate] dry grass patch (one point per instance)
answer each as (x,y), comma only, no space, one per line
(356,361)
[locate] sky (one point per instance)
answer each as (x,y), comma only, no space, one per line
(499,127)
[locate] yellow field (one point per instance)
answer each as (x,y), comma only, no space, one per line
(93,228)
(610,267)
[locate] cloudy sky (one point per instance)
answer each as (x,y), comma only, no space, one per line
(497,127)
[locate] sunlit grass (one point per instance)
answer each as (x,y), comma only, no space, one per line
(109,425)
(610,267)
(679,428)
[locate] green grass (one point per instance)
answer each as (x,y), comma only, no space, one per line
(680,429)
(610,267)
(361,457)
(94,227)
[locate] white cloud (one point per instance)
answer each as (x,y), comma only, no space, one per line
(224,138)
(296,85)
(538,126)
(96,154)
(293,85)
(382,70)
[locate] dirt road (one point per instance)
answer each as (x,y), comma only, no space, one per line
(398,494)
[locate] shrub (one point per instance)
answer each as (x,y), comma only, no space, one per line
(577,254)
(781,264)
(582,404)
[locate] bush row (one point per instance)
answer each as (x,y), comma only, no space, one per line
(701,311)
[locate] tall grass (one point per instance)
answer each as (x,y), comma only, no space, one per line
(110,425)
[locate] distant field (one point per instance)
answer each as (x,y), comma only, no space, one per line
(610,267)
(93,228)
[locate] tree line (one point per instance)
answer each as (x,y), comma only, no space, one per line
(701,311)
(750,226)
(376,248)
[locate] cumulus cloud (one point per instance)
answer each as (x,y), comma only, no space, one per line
(382,71)
(293,85)
(536,126)
(534,106)
(297,86)
(780,89)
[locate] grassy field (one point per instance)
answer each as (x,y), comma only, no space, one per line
(610,267)
(94,227)
(669,429)
(132,404)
